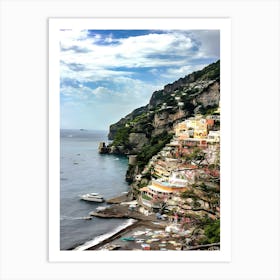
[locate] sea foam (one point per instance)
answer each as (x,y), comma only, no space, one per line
(105,236)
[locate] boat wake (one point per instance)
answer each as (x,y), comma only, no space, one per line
(105,236)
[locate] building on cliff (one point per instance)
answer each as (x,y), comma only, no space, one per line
(214,136)
(195,127)
(160,191)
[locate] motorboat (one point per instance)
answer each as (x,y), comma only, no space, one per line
(95,197)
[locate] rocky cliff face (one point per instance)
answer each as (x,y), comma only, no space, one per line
(196,93)
(116,126)
(163,121)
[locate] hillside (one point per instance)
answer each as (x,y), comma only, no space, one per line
(196,93)
(173,145)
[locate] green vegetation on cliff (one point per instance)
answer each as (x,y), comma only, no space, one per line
(146,130)
(210,72)
(122,137)
(151,149)
(211,232)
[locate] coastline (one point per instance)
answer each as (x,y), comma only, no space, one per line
(80,170)
(104,238)
(135,222)
(119,209)
(142,232)
(122,233)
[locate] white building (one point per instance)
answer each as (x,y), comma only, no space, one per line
(214,136)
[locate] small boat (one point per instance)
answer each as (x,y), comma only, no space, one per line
(95,197)
(128,239)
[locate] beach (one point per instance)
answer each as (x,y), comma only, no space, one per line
(146,233)
(114,242)
(152,236)
(143,235)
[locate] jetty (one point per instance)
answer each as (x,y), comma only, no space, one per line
(122,211)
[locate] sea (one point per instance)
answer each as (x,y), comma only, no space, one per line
(83,170)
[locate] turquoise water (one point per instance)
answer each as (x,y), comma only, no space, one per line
(84,170)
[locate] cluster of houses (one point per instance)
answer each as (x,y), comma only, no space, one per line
(172,174)
(198,128)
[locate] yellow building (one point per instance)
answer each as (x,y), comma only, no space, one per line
(195,127)
(181,129)
(191,122)
(200,130)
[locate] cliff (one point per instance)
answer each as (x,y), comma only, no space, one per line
(176,177)
(147,129)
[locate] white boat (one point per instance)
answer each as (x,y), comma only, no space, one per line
(95,197)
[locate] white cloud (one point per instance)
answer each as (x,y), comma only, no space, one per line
(143,48)
(121,90)
(76,38)
(94,81)
(209,43)
(176,73)
(84,59)
(126,91)
(79,92)
(90,74)
(154,71)
(101,91)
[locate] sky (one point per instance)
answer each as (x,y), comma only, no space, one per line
(106,74)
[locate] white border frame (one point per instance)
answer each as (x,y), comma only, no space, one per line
(222,24)
(24,164)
